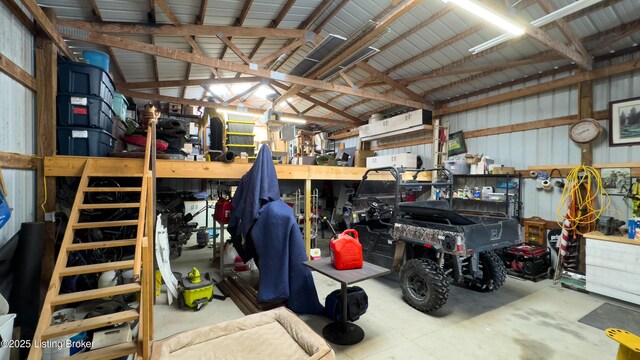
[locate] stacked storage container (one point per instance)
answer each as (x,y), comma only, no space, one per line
(84,110)
(240,137)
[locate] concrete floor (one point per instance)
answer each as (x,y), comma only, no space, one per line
(523,320)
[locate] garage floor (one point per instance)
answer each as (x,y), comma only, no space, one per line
(524,320)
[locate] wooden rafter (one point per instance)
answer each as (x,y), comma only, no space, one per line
(330,16)
(319,103)
(348,80)
(249,111)
(584,61)
(238,23)
(416,28)
(176,83)
(95,11)
(246,93)
(563,25)
(174,54)
(199,21)
(291,46)
(379,28)
(233,48)
(15,72)
(183,30)
(554,84)
(388,80)
(45,24)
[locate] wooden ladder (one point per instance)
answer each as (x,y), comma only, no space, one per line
(142,266)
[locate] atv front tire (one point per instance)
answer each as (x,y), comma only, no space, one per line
(494,274)
(424,285)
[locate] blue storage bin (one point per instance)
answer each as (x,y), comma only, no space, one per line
(85,79)
(84,111)
(97,58)
(80,141)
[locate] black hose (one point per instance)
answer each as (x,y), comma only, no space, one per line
(226,157)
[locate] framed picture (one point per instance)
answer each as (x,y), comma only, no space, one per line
(624,124)
(616,180)
(456,144)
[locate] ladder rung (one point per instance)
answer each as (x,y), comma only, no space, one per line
(95,294)
(109,206)
(113,174)
(112,189)
(101,244)
(97,322)
(96,268)
(104,224)
(107,353)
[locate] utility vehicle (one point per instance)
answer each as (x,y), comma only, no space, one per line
(432,245)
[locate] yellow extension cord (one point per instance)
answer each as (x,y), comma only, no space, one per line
(587,213)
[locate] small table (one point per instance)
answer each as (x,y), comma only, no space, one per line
(344,332)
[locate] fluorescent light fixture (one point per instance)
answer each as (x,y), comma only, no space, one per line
(558,14)
(489,16)
(293,120)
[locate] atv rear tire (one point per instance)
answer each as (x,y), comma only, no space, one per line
(424,285)
(494,273)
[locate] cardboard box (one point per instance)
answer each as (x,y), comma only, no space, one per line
(360,157)
(504,170)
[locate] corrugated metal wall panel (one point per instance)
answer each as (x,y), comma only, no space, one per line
(17,122)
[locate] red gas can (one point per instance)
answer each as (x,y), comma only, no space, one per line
(222,211)
(346,251)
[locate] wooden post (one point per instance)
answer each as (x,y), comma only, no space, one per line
(46,85)
(585,110)
(307,215)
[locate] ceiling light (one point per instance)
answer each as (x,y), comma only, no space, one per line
(293,120)
(263,91)
(558,14)
(489,16)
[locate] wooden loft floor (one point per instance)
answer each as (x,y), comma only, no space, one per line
(180,169)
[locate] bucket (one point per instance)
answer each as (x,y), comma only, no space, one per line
(97,58)
(6,332)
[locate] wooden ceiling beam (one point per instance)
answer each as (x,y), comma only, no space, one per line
(389,81)
(45,24)
(564,27)
(176,83)
(233,48)
(183,30)
(330,16)
(95,11)
(554,84)
(321,104)
(249,111)
(246,93)
(199,21)
(398,12)
(174,54)
(290,46)
(274,24)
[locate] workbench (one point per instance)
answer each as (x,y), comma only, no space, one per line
(613,266)
(182,169)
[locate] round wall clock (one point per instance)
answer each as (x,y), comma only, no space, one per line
(585,131)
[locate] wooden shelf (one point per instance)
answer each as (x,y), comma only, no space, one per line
(597,235)
(182,169)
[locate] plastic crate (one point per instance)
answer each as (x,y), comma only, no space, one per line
(85,79)
(79,141)
(97,58)
(120,105)
(85,111)
(240,138)
(240,126)
(240,148)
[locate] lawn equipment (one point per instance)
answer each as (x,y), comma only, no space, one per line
(195,291)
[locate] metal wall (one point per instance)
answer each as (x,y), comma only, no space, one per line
(17,121)
(549,146)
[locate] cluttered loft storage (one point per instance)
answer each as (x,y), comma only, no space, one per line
(319,179)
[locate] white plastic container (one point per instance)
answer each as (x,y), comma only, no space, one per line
(457,166)
(409,161)
(6,333)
